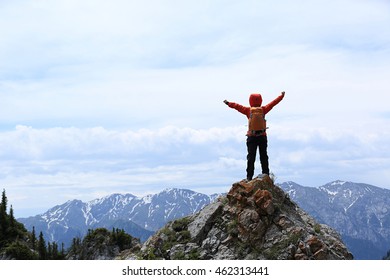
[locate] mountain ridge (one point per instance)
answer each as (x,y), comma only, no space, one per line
(141,216)
(359,212)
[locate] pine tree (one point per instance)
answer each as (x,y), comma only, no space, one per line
(4,200)
(3,219)
(55,254)
(121,238)
(12,220)
(13,234)
(13,230)
(42,250)
(33,239)
(76,246)
(49,255)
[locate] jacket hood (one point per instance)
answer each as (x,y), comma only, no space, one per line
(255,100)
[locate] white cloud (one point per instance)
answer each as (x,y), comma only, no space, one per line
(89,143)
(347,150)
(80,163)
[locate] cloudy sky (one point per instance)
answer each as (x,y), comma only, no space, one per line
(100,97)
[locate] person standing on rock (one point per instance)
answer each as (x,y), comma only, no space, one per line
(256,135)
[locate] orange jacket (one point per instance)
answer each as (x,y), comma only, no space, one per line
(255,100)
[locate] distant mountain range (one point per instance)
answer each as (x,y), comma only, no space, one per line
(139,216)
(359,212)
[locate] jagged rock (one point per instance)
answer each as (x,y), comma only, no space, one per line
(201,225)
(255,220)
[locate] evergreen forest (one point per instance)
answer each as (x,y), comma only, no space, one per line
(17,243)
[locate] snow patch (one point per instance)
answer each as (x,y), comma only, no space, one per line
(346,208)
(329,192)
(338,183)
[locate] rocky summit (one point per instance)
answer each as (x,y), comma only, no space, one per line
(255,220)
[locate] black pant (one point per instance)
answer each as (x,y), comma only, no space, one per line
(252,143)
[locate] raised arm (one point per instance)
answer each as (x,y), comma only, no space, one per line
(242,109)
(274,102)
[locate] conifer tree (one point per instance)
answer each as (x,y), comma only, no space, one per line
(12,231)
(3,219)
(42,250)
(12,220)
(3,204)
(76,245)
(49,255)
(13,234)
(33,239)
(55,254)
(55,251)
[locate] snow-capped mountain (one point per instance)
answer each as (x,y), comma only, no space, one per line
(139,216)
(359,212)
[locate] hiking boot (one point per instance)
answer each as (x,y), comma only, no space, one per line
(246,180)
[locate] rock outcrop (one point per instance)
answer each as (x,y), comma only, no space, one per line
(101,244)
(255,220)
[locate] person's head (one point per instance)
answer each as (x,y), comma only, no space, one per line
(255,100)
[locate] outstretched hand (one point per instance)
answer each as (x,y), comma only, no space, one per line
(226,102)
(283,93)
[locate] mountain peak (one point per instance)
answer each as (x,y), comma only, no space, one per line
(337,183)
(255,220)
(171,190)
(178,191)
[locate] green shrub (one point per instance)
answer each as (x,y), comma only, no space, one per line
(20,251)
